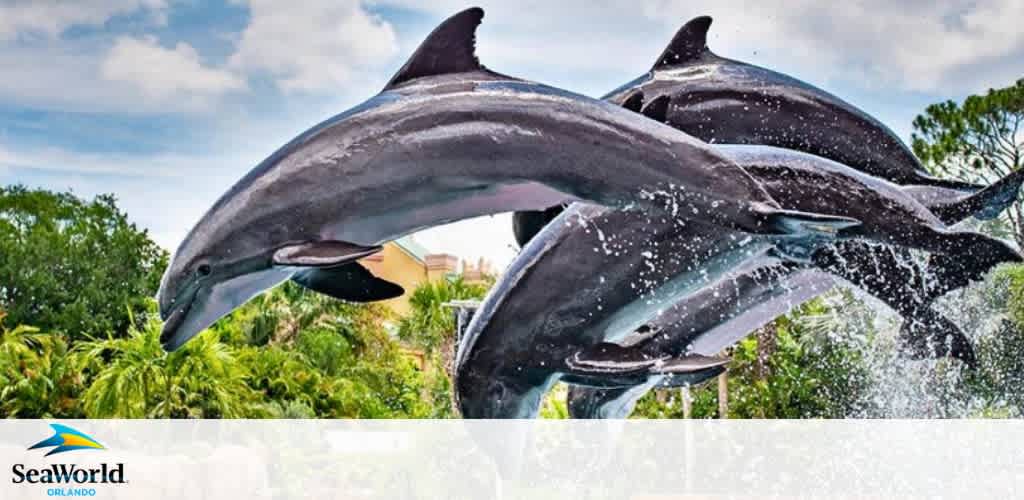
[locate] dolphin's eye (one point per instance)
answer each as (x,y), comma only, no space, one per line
(203,270)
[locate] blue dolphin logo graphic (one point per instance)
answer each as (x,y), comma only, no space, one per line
(67,439)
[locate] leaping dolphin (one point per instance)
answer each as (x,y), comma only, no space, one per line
(700,86)
(731,102)
(577,287)
(447,139)
(753,295)
(724,101)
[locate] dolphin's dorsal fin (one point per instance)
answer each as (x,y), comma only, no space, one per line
(657,109)
(690,42)
(450,48)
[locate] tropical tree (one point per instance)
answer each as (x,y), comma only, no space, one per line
(978,140)
(810,372)
(431,324)
(133,377)
(318,356)
(73,266)
(430,327)
(37,378)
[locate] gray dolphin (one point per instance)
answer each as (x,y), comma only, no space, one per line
(750,297)
(725,101)
(447,139)
(578,286)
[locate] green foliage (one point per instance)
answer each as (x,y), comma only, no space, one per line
(978,140)
(439,390)
(337,363)
(430,327)
(134,378)
(999,379)
(431,324)
(73,266)
(1014,277)
(554,405)
(37,378)
(808,376)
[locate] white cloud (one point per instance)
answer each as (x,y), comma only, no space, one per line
(917,45)
(170,75)
(312,45)
(100,73)
(52,17)
(149,166)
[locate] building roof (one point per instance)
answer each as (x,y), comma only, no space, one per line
(410,246)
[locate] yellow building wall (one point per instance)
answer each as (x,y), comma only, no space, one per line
(397,266)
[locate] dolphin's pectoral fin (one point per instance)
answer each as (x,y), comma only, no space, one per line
(805,224)
(351,282)
(450,48)
(689,43)
(657,109)
(610,358)
(322,253)
(612,365)
(591,402)
(689,363)
(609,365)
(800,233)
(691,378)
(986,204)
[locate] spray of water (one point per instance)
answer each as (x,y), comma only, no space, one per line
(899,387)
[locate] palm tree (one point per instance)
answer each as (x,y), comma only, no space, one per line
(135,378)
(431,325)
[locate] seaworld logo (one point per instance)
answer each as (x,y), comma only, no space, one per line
(67,439)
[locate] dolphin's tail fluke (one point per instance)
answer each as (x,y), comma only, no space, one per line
(965,257)
(986,204)
(928,334)
(890,275)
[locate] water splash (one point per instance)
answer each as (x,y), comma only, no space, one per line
(899,387)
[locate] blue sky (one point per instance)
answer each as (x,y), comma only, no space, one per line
(165,103)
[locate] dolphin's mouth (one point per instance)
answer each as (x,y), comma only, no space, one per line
(172,324)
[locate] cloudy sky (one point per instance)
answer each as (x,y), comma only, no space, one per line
(165,103)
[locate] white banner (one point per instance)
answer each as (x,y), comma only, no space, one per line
(685,459)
